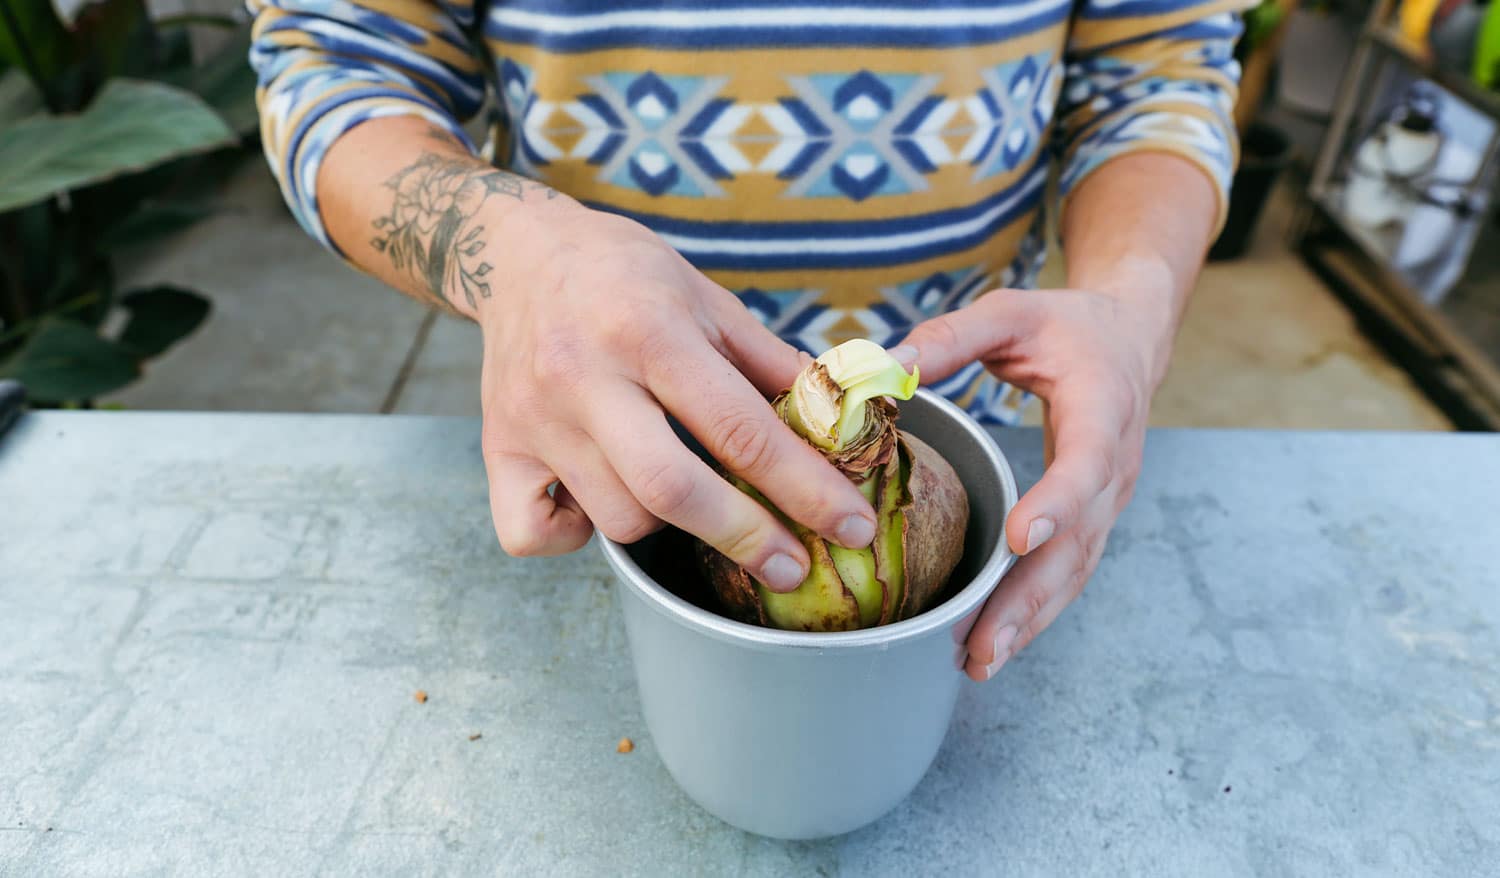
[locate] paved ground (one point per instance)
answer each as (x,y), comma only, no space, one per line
(1264,344)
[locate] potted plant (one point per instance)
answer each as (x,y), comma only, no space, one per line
(811,713)
(105,123)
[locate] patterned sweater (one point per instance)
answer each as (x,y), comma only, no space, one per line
(847,167)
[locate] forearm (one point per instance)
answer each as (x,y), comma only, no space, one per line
(408,204)
(1137,229)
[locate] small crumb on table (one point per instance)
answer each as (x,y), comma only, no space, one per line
(625,746)
(476,736)
(421,696)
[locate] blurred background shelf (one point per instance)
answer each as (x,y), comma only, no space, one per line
(1416,57)
(1426,284)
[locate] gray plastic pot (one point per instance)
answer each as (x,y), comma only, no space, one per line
(801,735)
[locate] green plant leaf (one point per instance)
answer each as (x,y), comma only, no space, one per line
(226,82)
(18,98)
(40,261)
(68,361)
(160,317)
(154,220)
(131,125)
(42,47)
(1259,23)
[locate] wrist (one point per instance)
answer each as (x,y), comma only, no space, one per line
(532,233)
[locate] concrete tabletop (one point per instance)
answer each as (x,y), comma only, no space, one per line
(212,628)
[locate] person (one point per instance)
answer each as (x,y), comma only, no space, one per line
(683,199)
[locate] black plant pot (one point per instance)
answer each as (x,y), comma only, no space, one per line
(1264,154)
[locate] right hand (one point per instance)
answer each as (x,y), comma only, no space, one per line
(600,330)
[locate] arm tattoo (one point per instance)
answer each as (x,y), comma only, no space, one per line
(430,231)
(442,135)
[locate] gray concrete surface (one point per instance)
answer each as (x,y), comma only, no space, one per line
(212,627)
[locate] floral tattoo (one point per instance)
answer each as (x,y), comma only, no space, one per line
(430,230)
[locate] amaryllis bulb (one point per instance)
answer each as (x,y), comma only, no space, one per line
(841,405)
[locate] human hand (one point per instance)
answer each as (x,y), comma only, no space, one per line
(1095,359)
(597,332)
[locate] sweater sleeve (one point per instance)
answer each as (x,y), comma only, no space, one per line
(1151,75)
(325,66)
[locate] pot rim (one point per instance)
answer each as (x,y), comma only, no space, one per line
(944,615)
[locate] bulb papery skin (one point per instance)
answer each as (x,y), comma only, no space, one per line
(812,407)
(828,404)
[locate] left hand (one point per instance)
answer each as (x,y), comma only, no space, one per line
(1095,359)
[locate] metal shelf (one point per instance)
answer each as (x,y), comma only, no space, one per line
(1455,374)
(1419,61)
(1381,245)
(1430,331)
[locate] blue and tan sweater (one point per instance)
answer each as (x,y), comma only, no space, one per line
(847,167)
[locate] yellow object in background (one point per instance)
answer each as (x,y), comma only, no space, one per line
(1416,17)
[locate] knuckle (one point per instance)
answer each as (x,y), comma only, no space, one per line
(1105,471)
(743,544)
(664,490)
(494,444)
(635,326)
(1034,601)
(618,330)
(1085,557)
(518,542)
(627,530)
(1072,506)
(629,527)
(557,361)
(743,444)
(938,333)
(1026,635)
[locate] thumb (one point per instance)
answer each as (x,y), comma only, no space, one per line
(981,331)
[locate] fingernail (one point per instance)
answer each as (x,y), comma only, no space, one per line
(905,354)
(1040,532)
(1003,639)
(782,573)
(855,532)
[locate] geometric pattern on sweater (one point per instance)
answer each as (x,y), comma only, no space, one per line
(850,136)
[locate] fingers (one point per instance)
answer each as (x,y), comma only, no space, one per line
(1060,525)
(982,331)
(769,363)
(1086,423)
(528,520)
(674,485)
(1029,599)
(742,432)
(590,483)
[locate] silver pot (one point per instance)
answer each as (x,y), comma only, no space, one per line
(801,735)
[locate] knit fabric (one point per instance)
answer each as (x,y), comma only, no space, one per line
(848,169)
